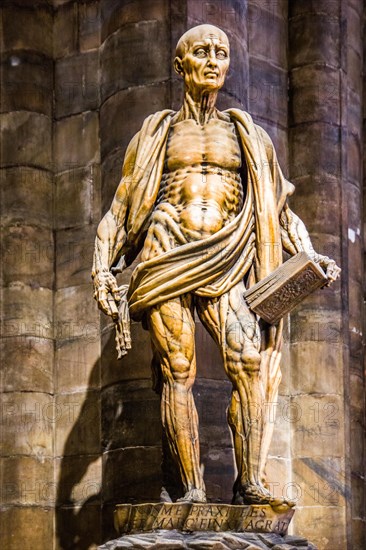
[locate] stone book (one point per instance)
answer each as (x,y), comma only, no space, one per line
(278,294)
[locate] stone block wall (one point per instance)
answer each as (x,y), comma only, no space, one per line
(81,430)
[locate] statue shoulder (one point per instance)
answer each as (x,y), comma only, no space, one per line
(239,116)
(224,115)
(153,122)
(252,129)
(244,118)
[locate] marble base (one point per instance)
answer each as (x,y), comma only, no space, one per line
(175,540)
(187,517)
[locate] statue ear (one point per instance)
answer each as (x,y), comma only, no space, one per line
(178,66)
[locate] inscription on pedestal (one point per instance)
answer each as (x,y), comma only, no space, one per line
(263,519)
(202,517)
(172,516)
(142,517)
(209,517)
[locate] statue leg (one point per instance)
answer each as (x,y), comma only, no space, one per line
(271,372)
(236,330)
(171,325)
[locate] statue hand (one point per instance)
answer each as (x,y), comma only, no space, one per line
(122,324)
(331,269)
(106,293)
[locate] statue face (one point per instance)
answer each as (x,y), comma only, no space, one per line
(205,61)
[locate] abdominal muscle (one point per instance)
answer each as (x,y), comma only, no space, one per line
(201,219)
(194,203)
(203,204)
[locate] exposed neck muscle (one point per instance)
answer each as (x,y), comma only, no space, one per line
(200,107)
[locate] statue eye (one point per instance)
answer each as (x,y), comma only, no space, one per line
(200,52)
(221,54)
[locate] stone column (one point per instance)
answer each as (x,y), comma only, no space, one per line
(326,331)
(135,72)
(77,445)
(268,70)
(27,253)
(356,65)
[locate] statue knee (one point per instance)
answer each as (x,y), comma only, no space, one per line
(180,367)
(251,360)
(248,362)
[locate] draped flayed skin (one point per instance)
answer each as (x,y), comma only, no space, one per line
(211,266)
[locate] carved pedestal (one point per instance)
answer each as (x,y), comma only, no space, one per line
(188,517)
(194,526)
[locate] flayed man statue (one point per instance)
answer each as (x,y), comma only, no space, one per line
(203,199)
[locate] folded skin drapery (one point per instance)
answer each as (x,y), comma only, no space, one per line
(211,266)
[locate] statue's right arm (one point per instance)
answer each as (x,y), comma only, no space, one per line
(111,235)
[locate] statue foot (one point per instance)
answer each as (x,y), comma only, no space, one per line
(257,494)
(194,495)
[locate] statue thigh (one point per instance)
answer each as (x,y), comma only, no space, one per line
(171,326)
(235,330)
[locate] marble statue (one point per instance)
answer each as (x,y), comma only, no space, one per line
(203,199)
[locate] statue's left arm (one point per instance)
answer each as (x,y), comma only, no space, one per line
(295,238)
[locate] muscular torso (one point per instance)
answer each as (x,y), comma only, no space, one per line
(201,189)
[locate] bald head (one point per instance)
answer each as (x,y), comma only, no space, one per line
(195,34)
(202,59)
